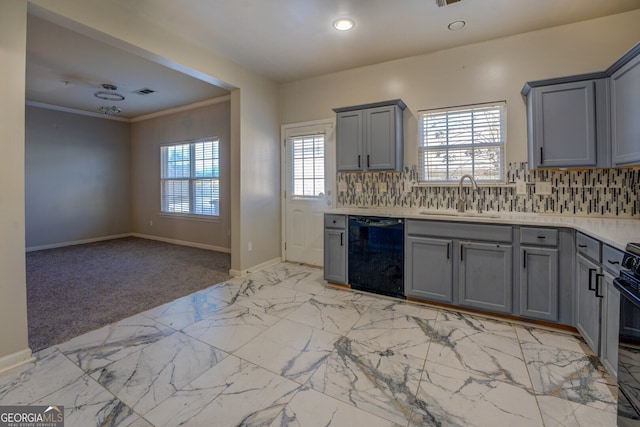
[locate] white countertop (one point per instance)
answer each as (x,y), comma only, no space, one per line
(612,231)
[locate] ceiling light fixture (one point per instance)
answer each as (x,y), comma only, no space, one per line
(109,110)
(109,94)
(456,25)
(343,24)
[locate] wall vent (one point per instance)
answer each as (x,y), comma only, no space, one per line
(441,3)
(145,91)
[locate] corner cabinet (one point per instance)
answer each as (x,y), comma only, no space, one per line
(625,109)
(370,137)
(335,248)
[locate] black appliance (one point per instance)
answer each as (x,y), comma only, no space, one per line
(628,283)
(376,255)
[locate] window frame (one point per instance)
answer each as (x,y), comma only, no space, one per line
(292,158)
(192,178)
(422,147)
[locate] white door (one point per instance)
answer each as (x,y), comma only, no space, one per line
(309,176)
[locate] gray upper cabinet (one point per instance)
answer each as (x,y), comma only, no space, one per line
(563,124)
(625,111)
(370,137)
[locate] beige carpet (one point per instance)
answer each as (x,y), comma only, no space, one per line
(76,289)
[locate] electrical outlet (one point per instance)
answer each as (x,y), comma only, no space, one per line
(342,187)
(382,187)
(521,187)
(150,223)
(250,246)
(543,188)
(358,187)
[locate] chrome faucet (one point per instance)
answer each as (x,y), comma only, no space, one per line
(462,200)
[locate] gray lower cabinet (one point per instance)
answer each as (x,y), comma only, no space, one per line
(429,268)
(485,276)
(539,282)
(335,248)
(587,303)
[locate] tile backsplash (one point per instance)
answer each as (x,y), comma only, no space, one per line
(588,192)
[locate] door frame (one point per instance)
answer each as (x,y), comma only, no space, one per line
(330,167)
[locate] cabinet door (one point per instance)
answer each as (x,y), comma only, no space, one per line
(587,304)
(335,255)
(349,141)
(625,110)
(539,283)
(611,323)
(485,276)
(429,268)
(380,138)
(564,125)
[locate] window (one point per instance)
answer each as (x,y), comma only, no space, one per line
(190,178)
(462,140)
(307,154)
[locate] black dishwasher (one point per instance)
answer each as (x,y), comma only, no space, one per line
(376,255)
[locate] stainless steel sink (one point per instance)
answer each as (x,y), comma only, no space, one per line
(460,214)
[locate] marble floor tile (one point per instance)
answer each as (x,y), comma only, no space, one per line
(391,330)
(290,349)
(232,393)
(234,290)
(382,383)
(328,314)
(187,310)
(570,375)
(453,319)
(145,378)
(33,381)
(558,412)
(544,337)
(87,403)
(97,349)
(309,408)
(231,328)
(276,300)
(452,397)
(495,355)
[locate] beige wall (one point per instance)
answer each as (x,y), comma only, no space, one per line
(146,138)
(483,72)
(77,177)
(255,215)
(13,304)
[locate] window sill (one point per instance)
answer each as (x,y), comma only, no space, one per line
(189,217)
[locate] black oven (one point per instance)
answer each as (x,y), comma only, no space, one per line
(628,283)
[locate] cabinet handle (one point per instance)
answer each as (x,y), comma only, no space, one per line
(524,259)
(599,285)
(447,251)
(341,238)
(582,246)
(368,161)
(359,160)
(613,262)
(461,253)
(541,154)
(542,237)
(591,287)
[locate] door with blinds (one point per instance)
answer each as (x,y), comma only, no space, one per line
(309,171)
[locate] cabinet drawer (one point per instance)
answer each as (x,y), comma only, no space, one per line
(611,259)
(588,246)
(462,231)
(335,221)
(539,236)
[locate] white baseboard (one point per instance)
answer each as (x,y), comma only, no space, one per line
(255,268)
(16,359)
(183,243)
(77,242)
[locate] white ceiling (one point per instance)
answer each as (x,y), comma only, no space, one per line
(285,40)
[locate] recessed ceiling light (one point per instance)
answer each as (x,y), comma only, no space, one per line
(343,24)
(456,25)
